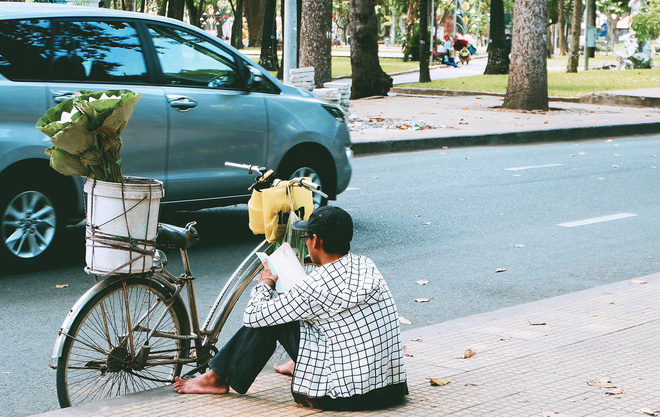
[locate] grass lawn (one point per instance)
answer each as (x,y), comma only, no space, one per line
(560,83)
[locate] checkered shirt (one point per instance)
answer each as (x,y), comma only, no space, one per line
(350,341)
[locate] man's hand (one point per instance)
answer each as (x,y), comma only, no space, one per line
(267,277)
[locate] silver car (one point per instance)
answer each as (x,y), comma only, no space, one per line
(202,103)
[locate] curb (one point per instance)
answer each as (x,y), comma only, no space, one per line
(604,98)
(508,138)
(431,92)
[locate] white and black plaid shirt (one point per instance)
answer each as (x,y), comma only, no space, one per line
(350,341)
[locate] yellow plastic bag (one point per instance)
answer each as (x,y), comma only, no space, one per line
(278,201)
(256,213)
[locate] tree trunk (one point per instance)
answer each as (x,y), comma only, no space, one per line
(498,51)
(561,23)
(254,14)
(162,10)
(316,39)
(175,9)
(574,50)
(195,13)
(549,45)
(280,71)
(268,58)
(369,79)
(592,23)
(410,25)
(237,26)
(424,74)
(528,77)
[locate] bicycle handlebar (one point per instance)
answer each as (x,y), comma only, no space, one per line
(264,174)
(250,168)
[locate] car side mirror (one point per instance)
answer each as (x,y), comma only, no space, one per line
(248,77)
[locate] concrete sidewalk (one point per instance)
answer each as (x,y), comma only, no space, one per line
(590,353)
(413,119)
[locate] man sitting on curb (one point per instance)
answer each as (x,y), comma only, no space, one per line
(340,326)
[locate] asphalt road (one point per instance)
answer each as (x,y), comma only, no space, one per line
(551,218)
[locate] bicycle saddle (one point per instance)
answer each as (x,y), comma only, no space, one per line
(183,237)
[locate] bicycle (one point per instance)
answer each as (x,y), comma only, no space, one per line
(133,332)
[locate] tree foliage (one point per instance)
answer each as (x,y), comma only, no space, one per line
(646,23)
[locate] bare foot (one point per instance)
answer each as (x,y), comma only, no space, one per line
(207,383)
(285,369)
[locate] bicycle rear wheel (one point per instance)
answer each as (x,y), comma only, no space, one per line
(99,355)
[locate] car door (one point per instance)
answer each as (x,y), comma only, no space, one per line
(213,118)
(106,54)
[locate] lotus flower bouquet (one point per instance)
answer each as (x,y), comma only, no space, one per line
(85,133)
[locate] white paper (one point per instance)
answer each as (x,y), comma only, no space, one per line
(285,264)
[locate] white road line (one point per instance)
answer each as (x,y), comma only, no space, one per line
(597,220)
(533,167)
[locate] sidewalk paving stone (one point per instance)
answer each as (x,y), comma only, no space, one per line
(536,359)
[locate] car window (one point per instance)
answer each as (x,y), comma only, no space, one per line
(24,49)
(189,60)
(97,51)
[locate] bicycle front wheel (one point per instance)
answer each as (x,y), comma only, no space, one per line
(100,355)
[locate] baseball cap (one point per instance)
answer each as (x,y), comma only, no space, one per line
(328,223)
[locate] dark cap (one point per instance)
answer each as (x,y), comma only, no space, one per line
(328,223)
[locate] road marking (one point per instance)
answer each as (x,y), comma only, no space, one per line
(533,167)
(352,189)
(597,220)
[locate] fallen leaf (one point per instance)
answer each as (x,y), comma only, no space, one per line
(519,246)
(419,339)
(438,382)
(404,320)
(468,353)
(61,285)
(545,123)
(505,338)
(426,223)
(537,323)
(615,166)
(500,270)
(422,300)
(422,282)
(405,352)
(609,140)
(618,391)
(600,178)
(638,281)
(602,382)
(650,412)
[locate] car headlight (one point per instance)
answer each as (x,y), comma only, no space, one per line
(349,153)
(335,112)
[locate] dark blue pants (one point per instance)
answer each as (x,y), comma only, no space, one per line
(247,352)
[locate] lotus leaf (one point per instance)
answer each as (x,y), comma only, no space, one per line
(65,163)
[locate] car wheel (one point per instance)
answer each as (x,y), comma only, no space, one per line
(28,225)
(308,166)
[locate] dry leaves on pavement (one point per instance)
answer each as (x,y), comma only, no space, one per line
(468,353)
(438,382)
